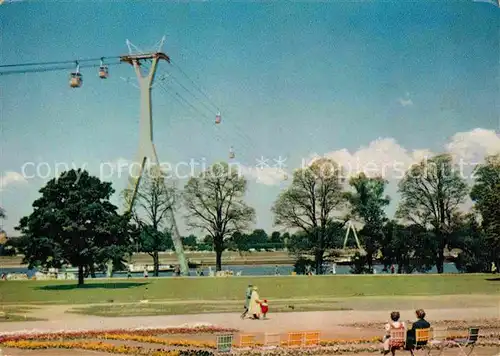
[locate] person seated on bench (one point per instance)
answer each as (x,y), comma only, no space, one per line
(421,323)
(394,323)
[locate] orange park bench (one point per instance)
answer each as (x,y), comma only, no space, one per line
(311,338)
(295,339)
(247,341)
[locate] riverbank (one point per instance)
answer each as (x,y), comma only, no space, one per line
(229,258)
(205,258)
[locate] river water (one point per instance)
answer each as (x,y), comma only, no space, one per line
(246,270)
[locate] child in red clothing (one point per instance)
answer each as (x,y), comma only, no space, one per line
(264,308)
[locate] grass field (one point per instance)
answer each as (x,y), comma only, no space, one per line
(232,288)
(15,313)
(181,308)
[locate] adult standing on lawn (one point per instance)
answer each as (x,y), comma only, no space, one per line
(248,296)
(254,306)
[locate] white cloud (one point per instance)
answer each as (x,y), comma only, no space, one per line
(265,175)
(381,157)
(473,146)
(386,157)
(405,102)
(11,177)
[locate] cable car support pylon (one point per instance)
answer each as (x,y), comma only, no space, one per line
(147,151)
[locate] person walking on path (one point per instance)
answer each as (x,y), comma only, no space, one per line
(248,296)
(254,305)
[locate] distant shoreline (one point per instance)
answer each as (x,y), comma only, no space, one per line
(229,258)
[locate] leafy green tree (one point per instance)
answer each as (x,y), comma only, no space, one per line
(241,242)
(411,247)
(431,193)
(152,241)
(304,245)
(73,222)
(215,203)
(190,241)
(311,203)
(155,200)
(475,255)
(486,196)
(367,203)
(259,239)
(277,240)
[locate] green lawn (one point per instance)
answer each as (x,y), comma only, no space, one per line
(233,288)
(199,308)
(15,313)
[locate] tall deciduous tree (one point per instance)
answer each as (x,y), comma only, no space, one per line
(73,222)
(486,195)
(431,193)
(214,203)
(312,203)
(368,202)
(155,200)
(476,253)
(411,247)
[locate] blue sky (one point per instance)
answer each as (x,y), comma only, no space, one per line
(291,80)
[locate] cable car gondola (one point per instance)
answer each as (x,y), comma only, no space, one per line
(76,79)
(231,153)
(218,118)
(103,70)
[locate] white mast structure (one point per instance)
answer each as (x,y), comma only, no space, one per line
(146,154)
(351,227)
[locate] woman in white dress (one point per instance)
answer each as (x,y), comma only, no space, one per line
(254,306)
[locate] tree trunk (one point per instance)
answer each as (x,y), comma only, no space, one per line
(319,261)
(369,260)
(218,258)
(440,260)
(80,275)
(156,264)
(400,263)
(92,271)
(179,248)
(440,253)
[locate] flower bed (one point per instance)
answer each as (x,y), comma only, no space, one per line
(102,347)
(63,335)
(450,324)
(84,345)
(149,337)
(158,340)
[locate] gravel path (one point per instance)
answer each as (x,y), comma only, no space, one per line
(328,321)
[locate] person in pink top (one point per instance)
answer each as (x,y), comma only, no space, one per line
(394,323)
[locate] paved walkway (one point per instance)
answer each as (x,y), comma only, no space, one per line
(326,321)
